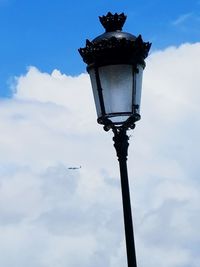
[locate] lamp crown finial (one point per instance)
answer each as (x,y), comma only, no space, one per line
(113,22)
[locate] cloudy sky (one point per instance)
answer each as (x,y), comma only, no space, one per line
(53,216)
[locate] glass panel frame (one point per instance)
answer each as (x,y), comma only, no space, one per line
(134,91)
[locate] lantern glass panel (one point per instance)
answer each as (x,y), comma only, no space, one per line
(93,79)
(117,88)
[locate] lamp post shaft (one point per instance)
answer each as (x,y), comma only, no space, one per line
(121,145)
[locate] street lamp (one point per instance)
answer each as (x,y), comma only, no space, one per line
(115,63)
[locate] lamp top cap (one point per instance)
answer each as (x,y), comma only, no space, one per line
(113,22)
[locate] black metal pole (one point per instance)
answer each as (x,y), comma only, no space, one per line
(121,145)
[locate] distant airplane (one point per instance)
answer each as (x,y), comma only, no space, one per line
(74,168)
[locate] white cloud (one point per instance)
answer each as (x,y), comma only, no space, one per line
(53,216)
(187,23)
(182,18)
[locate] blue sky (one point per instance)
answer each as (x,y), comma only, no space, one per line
(53,216)
(47,34)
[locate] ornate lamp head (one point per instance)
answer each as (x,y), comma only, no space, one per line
(115,61)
